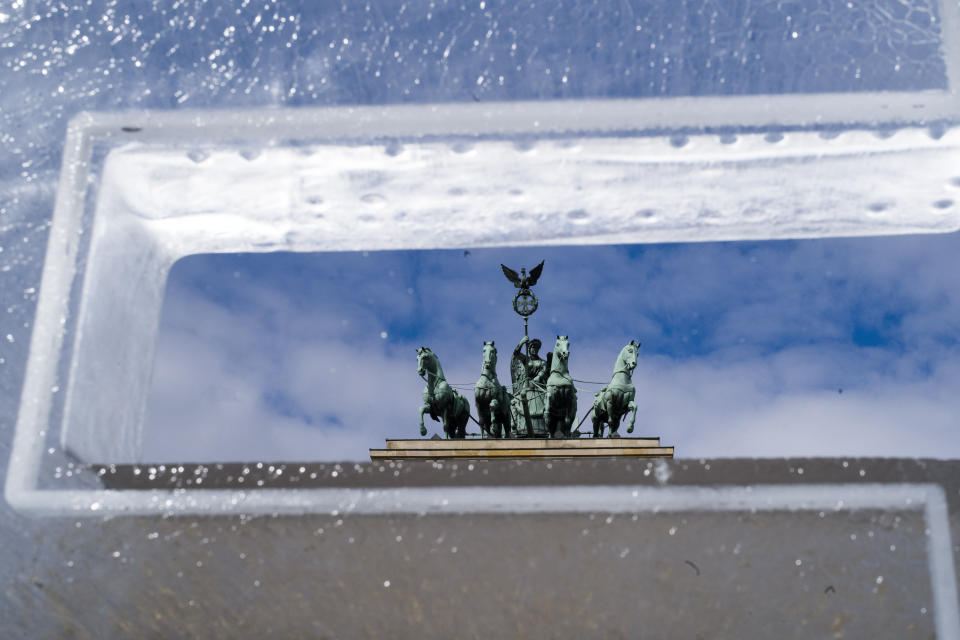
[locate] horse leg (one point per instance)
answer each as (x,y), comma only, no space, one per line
(633,417)
(597,422)
(495,427)
(423,410)
(482,416)
(552,422)
(598,413)
(557,418)
(571,412)
(449,425)
(616,415)
(518,416)
(502,415)
(479,402)
(567,423)
(464,413)
(546,411)
(551,419)
(615,419)
(561,424)
(452,419)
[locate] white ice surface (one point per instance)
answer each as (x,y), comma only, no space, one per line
(567,190)
(159,203)
(533,500)
(194,185)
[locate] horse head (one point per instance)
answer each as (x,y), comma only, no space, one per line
(561,348)
(489,354)
(628,356)
(425,360)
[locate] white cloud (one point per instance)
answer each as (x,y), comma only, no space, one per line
(722,410)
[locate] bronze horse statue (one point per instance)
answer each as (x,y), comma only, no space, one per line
(613,402)
(439,399)
(491,397)
(560,408)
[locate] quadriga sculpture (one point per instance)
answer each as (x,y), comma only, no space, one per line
(491,397)
(439,399)
(612,402)
(560,408)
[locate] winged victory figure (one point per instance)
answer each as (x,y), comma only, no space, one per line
(523,280)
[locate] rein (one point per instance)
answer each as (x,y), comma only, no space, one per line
(493,379)
(435,375)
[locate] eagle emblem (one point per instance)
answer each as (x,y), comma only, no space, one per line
(523,280)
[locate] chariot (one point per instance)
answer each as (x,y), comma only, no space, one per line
(542,400)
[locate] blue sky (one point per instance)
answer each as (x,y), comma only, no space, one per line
(779,348)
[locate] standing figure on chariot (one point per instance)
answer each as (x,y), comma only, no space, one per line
(529,373)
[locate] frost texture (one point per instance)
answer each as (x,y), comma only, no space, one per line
(100,55)
(57,59)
